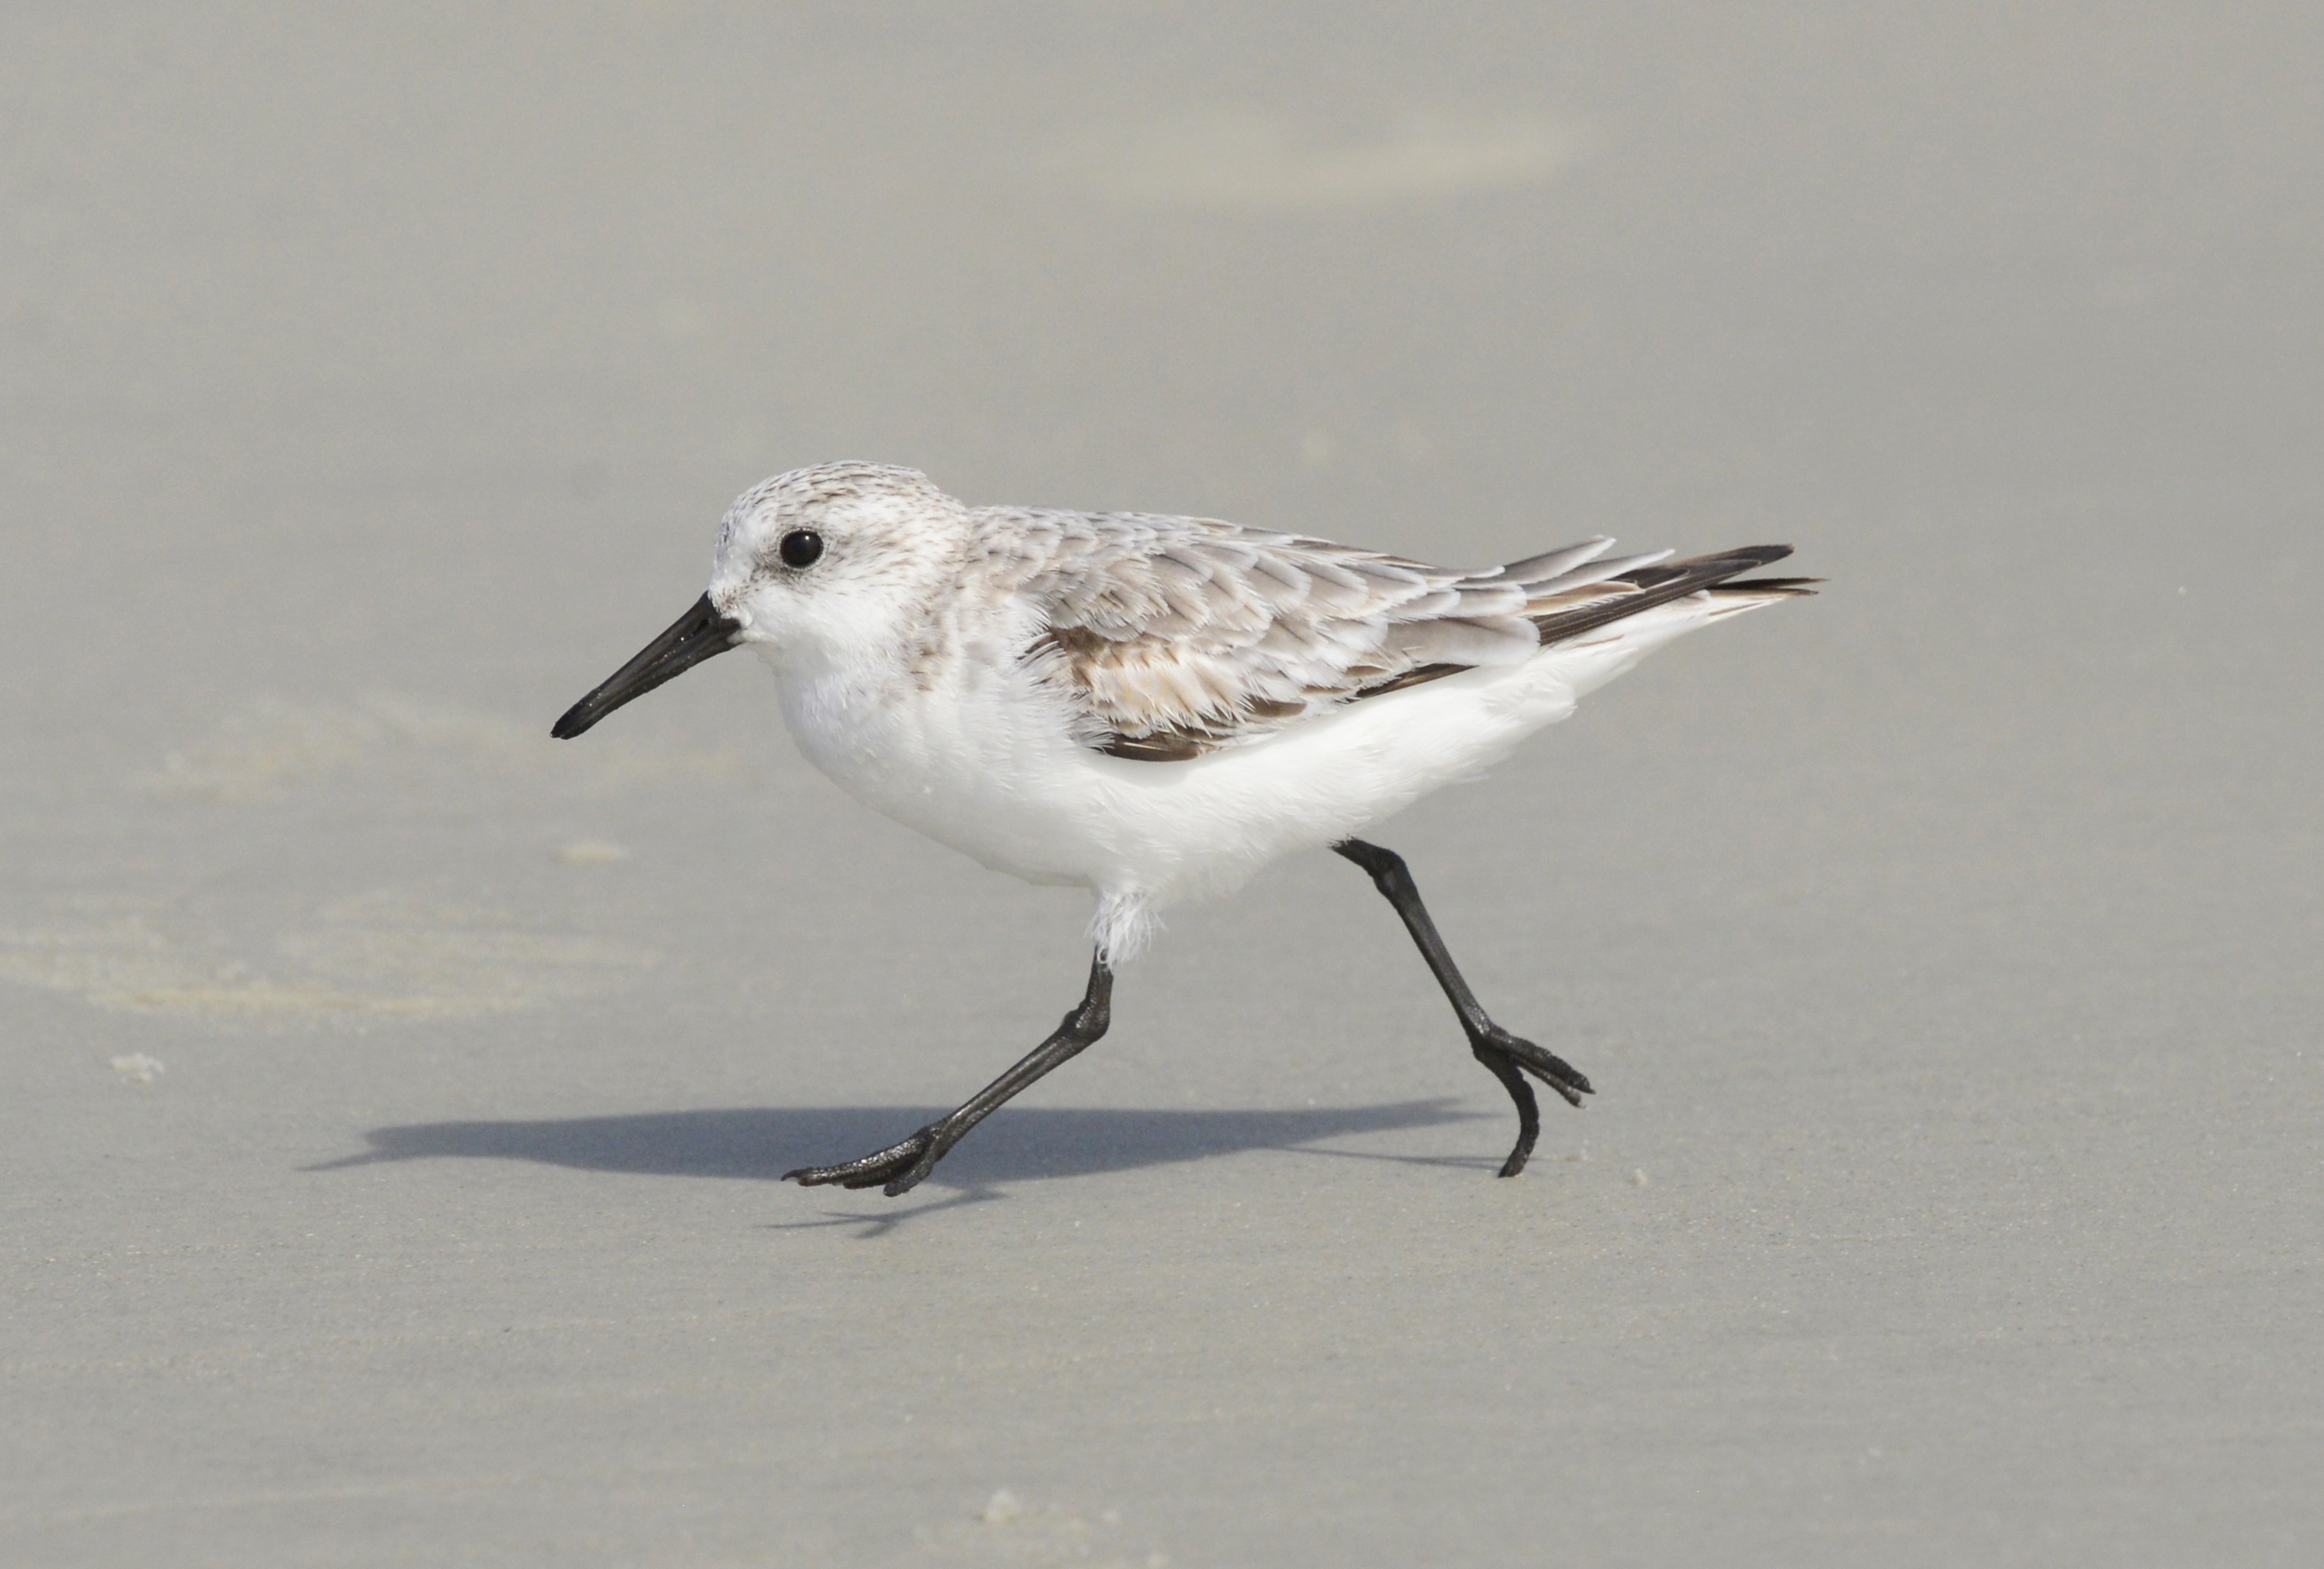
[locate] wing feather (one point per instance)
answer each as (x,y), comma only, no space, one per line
(1173,637)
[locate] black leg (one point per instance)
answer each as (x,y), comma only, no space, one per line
(1508,1057)
(900,1166)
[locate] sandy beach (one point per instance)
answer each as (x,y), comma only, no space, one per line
(395,1098)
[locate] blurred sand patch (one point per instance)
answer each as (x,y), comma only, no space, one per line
(1008,1529)
(272,747)
(380,954)
(1237,161)
(137,1068)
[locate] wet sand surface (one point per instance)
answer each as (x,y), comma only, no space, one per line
(395,1097)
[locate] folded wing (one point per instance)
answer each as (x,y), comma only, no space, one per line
(1173,637)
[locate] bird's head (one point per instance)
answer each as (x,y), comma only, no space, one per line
(835,564)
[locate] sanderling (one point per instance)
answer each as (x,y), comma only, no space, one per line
(1154,708)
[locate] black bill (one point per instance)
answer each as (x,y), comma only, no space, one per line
(693,638)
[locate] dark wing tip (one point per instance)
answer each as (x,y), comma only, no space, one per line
(1796,586)
(1661,584)
(1706,569)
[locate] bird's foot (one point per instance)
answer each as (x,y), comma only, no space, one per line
(1510,1058)
(1548,1066)
(894,1170)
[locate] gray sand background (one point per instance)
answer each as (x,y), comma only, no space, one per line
(393,1097)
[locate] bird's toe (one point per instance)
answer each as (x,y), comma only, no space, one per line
(1548,1066)
(901,1164)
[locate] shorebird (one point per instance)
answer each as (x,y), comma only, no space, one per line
(1153,707)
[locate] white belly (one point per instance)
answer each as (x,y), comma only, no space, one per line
(989,769)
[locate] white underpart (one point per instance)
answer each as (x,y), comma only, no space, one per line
(979,751)
(985,765)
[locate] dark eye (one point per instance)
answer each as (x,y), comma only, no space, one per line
(800,548)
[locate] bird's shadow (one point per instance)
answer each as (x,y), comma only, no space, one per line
(1027,1143)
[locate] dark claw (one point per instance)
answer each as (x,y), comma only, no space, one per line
(898,1167)
(1528,1109)
(1506,1055)
(1545,1066)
